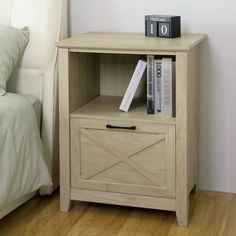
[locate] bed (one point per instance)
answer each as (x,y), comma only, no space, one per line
(31,92)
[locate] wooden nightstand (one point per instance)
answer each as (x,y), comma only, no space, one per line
(153,166)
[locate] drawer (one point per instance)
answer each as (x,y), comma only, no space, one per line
(124,157)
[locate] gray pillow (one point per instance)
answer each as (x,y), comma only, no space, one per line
(12,44)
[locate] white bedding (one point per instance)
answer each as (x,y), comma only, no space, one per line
(36,104)
(22,165)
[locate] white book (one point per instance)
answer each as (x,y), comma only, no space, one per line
(166,87)
(157,90)
(133,85)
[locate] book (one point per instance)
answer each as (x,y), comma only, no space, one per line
(150,85)
(167,87)
(173,88)
(133,85)
(157,89)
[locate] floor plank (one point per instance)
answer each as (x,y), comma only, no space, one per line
(211,213)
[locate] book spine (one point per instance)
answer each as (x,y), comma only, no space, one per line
(157,92)
(133,85)
(166,87)
(150,85)
(173,88)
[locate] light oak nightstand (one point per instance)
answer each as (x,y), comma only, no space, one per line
(102,157)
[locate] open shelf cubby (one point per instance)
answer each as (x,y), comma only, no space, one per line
(104,79)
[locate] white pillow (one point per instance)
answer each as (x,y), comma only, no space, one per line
(12,44)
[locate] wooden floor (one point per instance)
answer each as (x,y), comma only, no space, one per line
(211,213)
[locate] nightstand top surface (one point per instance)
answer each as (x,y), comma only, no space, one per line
(130,42)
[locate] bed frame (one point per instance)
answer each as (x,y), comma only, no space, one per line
(37,73)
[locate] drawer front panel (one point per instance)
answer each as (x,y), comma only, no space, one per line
(124,157)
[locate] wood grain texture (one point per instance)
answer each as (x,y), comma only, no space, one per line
(74,91)
(137,162)
(93,69)
(182,196)
(107,107)
(116,71)
(187,70)
(130,43)
(64,121)
(211,213)
(123,199)
(84,83)
(192,118)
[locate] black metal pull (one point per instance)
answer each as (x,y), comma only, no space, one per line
(120,127)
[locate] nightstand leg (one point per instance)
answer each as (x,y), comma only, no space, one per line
(182,211)
(65,202)
(64,111)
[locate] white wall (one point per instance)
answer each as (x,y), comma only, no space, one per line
(217,18)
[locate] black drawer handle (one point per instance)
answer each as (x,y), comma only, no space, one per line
(120,127)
